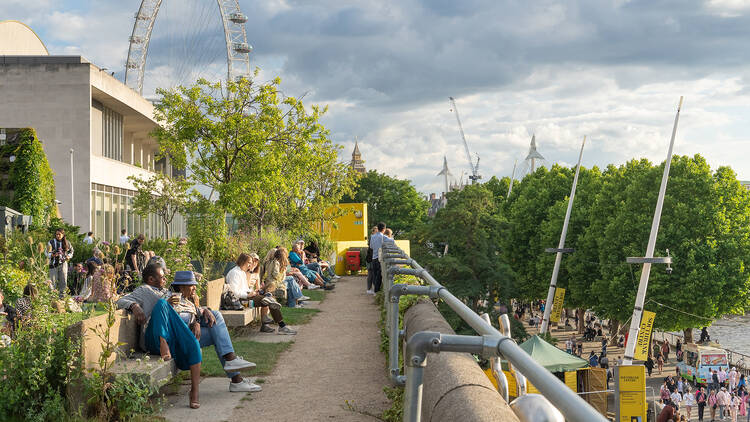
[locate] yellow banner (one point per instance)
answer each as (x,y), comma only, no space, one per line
(644,335)
(631,393)
(557,305)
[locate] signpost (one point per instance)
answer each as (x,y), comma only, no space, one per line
(630,393)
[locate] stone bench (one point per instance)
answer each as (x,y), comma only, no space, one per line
(212,299)
(127,358)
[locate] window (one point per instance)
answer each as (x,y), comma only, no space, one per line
(112,131)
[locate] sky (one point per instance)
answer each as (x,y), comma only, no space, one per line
(612,70)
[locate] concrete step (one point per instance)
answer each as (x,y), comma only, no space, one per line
(149,368)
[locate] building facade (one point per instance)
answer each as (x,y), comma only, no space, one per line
(95,132)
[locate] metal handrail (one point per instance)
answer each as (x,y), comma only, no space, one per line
(563,398)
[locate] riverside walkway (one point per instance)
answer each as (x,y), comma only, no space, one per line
(333,370)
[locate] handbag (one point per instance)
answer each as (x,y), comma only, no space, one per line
(368,257)
(230,301)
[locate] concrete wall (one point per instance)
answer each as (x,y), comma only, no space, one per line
(53,97)
(124,330)
(455,388)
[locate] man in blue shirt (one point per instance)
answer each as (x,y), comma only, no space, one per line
(376,241)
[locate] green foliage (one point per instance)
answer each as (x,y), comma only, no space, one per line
(258,242)
(393,201)
(160,195)
(32,180)
(36,370)
(177,257)
(395,413)
(265,356)
(472,227)
(12,281)
(268,158)
(207,233)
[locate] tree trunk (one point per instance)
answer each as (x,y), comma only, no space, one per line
(166,229)
(581,314)
(614,331)
(688,333)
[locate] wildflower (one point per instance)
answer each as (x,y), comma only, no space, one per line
(138,361)
(40,248)
(30,240)
(32,262)
(147,357)
(117,250)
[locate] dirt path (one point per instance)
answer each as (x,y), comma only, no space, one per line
(335,360)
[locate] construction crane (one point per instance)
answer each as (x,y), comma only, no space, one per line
(474,176)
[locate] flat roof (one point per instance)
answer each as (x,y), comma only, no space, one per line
(43,60)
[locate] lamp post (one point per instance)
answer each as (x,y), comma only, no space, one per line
(635,322)
(560,248)
(72,191)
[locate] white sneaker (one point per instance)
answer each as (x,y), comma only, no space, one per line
(370,292)
(336,277)
(244,386)
(312,287)
(303,297)
(237,364)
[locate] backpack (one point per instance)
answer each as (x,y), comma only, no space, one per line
(230,301)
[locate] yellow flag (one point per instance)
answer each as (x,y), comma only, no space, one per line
(557,305)
(644,335)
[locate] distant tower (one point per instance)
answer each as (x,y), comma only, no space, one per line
(445,173)
(533,155)
(357,164)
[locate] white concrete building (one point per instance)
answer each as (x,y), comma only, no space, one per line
(73,104)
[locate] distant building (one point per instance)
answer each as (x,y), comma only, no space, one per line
(436,204)
(82,110)
(357,164)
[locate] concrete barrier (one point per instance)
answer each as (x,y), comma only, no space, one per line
(455,387)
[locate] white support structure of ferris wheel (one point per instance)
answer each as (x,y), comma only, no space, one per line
(238,49)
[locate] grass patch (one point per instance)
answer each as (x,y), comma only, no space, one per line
(317,295)
(264,355)
(298,316)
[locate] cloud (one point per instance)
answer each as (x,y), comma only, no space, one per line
(610,70)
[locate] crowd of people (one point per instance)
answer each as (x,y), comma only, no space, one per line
(174,325)
(726,398)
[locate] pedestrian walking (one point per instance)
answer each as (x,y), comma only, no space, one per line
(700,399)
(649,365)
(688,401)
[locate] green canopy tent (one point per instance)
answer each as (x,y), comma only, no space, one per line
(550,357)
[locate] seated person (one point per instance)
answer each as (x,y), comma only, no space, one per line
(85,293)
(312,253)
(295,260)
(23,304)
(7,316)
(103,284)
(261,295)
(239,278)
(165,333)
(210,329)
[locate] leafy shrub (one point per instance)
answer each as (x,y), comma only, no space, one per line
(36,369)
(324,242)
(12,281)
(251,241)
(207,233)
(31,179)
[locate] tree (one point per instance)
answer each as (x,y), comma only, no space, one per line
(704,225)
(269,159)
(31,179)
(472,227)
(393,201)
(523,246)
(160,195)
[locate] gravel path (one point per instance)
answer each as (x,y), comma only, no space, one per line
(333,371)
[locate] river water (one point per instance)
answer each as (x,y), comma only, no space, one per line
(731,332)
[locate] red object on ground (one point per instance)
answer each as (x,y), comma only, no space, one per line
(352,261)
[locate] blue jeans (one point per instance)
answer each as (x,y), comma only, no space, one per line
(293,292)
(318,269)
(217,336)
(167,324)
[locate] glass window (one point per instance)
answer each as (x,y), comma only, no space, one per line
(107,216)
(93,212)
(100,215)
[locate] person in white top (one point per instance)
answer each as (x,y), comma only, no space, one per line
(237,277)
(688,401)
(89,239)
(733,378)
(676,398)
(124,238)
